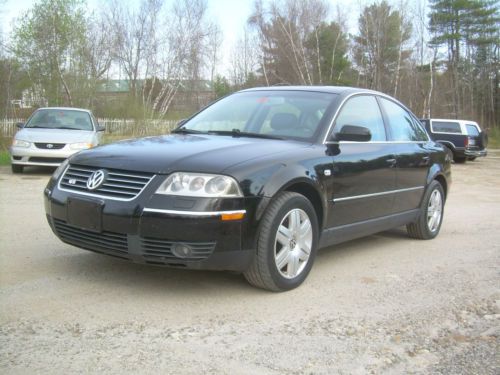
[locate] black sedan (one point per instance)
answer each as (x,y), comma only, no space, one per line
(256,182)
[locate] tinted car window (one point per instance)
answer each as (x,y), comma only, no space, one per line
(364,111)
(472,130)
(401,123)
(446,127)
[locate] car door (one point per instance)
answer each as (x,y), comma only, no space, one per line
(363,175)
(410,144)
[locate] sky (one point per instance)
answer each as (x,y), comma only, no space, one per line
(231,16)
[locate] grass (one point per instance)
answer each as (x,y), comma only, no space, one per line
(4,150)
(494,138)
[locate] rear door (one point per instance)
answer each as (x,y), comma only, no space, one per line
(410,144)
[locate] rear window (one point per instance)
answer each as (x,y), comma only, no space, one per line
(472,130)
(446,127)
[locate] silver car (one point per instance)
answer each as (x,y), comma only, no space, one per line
(51,135)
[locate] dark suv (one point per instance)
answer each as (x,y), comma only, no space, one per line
(464,139)
(256,183)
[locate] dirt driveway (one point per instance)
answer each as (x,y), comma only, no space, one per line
(382,304)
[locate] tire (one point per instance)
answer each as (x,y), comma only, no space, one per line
(17,168)
(290,249)
(459,159)
(432,204)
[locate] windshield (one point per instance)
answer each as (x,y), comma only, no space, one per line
(276,114)
(60,119)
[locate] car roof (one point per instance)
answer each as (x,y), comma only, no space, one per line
(451,120)
(66,109)
(326,89)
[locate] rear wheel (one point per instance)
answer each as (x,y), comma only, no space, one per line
(17,168)
(286,244)
(431,216)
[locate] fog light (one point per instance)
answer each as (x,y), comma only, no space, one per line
(181,250)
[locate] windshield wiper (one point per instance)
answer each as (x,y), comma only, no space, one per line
(239,133)
(186,131)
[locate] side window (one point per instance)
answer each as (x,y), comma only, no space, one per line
(472,130)
(364,111)
(401,123)
(446,127)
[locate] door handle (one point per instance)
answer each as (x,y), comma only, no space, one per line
(391,162)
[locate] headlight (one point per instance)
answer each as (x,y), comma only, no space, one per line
(19,143)
(60,169)
(200,185)
(80,146)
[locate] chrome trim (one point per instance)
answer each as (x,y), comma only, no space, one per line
(374,142)
(377,194)
(99,195)
(193,213)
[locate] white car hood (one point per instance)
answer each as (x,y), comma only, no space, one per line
(54,135)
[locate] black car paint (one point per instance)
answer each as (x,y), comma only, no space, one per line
(321,171)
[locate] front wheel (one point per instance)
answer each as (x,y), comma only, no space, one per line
(286,244)
(429,222)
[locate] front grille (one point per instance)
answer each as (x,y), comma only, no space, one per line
(158,250)
(38,159)
(106,242)
(118,184)
(151,250)
(53,146)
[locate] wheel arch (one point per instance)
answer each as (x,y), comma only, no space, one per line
(311,193)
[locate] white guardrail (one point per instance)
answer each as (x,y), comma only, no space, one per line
(113,126)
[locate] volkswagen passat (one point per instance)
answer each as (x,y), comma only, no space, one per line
(53,134)
(256,183)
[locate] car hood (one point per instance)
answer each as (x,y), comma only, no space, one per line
(54,135)
(189,153)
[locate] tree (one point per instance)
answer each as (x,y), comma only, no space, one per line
(469,29)
(46,41)
(380,47)
(283,29)
(328,45)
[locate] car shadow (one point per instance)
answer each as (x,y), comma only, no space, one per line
(117,274)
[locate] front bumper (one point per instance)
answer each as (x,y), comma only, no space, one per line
(33,156)
(131,231)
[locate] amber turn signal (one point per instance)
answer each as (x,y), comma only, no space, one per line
(233,216)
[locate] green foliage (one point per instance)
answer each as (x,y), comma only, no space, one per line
(46,41)
(332,44)
(494,138)
(221,86)
(379,48)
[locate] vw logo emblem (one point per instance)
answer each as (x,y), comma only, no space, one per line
(50,145)
(96,179)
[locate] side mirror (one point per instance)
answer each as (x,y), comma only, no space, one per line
(20,125)
(353,133)
(101,128)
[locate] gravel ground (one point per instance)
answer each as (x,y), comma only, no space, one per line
(381,304)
